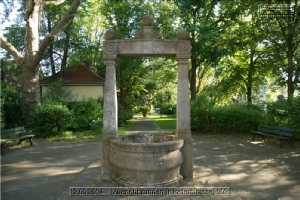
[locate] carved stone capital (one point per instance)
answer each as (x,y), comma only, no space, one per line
(110,47)
(184,47)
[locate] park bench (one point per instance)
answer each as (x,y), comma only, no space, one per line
(14,135)
(281,133)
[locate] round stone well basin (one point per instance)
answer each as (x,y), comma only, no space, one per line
(146,159)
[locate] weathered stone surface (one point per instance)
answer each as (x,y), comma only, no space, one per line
(146,43)
(110,35)
(183,35)
(146,160)
(147,21)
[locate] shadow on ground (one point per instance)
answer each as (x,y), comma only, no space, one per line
(253,170)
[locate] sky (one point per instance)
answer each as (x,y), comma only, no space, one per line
(7,21)
(12,16)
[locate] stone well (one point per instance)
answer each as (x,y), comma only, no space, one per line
(146,159)
(137,162)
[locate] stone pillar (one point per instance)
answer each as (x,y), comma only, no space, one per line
(183,126)
(183,130)
(110,116)
(110,109)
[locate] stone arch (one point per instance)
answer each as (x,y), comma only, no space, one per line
(147,43)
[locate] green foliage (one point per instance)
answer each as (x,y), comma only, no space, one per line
(11,113)
(165,100)
(145,110)
(285,113)
(123,115)
(2,119)
(56,93)
(88,114)
(51,120)
(200,110)
(237,118)
(168,109)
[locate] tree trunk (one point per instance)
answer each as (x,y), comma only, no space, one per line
(50,50)
(30,88)
(193,79)
(66,51)
(200,76)
(250,79)
(34,52)
(121,81)
(290,71)
(29,67)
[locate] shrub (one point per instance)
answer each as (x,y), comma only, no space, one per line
(168,109)
(87,114)
(51,120)
(236,118)
(285,113)
(145,110)
(200,112)
(230,119)
(11,108)
(124,115)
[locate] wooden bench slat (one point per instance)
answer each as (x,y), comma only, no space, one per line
(278,132)
(12,130)
(273,135)
(26,136)
(5,133)
(280,128)
(14,135)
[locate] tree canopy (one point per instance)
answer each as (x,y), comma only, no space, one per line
(236,49)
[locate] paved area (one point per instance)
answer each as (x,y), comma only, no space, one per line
(144,124)
(252,170)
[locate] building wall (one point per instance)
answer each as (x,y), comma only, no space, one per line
(80,92)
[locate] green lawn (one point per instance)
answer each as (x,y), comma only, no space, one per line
(165,121)
(82,136)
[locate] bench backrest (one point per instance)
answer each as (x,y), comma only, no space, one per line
(12,132)
(277,130)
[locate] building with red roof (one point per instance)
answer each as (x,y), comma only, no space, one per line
(79,80)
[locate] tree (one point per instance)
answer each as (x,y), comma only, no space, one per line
(283,33)
(206,21)
(124,17)
(35,50)
(247,63)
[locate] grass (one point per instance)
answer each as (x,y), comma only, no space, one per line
(78,136)
(126,127)
(165,121)
(85,135)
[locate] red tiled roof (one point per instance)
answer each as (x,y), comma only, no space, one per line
(77,75)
